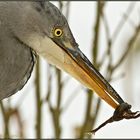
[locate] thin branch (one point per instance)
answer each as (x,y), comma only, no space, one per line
(6,121)
(129,48)
(111,41)
(88,121)
(85,126)
(71,98)
(38,101)
(122,22)
(60,5)
(49,79)
(100,6)
(68,10)
(107,31)
(58,109)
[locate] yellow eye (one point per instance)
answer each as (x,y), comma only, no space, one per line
(58,32)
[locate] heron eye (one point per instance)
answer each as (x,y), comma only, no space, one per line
(58,32)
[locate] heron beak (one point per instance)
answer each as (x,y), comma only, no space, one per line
(68,57)
(78,66)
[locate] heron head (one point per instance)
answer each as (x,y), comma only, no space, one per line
(44,28)
(47,32)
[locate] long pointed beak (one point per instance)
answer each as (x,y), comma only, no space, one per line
(68,57)
(77,65)
(95,80)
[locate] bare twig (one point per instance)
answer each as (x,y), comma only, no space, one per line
(57,110)
(6,121)
(128,49)
(88,121)
(71,98)
(68,10)
(100,6)
(38,101)
(111,41)
(49,77)
(107,31)
(122,22)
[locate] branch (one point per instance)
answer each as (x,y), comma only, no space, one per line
(122,22)
(6,121)
(38,101)
(130,46)
(100,6)
(88,121)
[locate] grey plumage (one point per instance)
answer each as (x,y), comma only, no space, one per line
(19,20)
(16,58)
(16,63)
(40,27)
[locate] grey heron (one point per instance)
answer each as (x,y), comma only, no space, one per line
(27,28)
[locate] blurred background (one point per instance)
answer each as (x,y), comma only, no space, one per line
(54,105)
